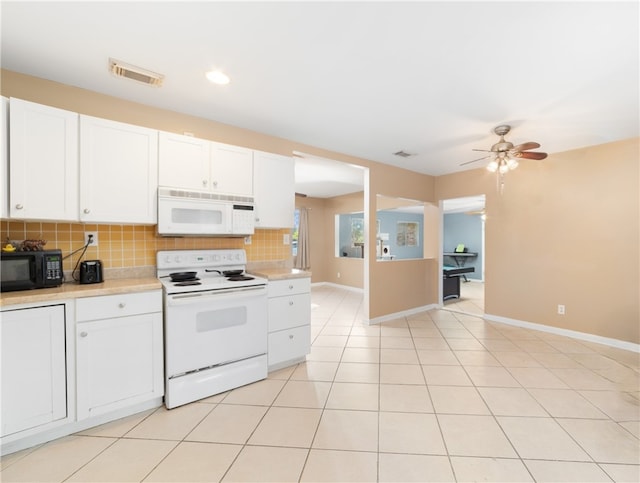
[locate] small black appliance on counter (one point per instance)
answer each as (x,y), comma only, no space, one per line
(91,271)
(25,270)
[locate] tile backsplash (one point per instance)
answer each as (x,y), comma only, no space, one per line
(135,246)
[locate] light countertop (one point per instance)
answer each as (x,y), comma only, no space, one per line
(73,290)
(280,273)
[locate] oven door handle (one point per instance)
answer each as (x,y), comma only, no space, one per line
(197,297)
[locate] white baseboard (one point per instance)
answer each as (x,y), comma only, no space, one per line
(344,287)
(618,344)
(403,313)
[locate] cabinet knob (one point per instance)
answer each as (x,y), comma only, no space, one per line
(290,302)
(83,334)
(215,183)
(122,305)
(290,287)
(204,182)
(290,336)
(19,206)
(86,211)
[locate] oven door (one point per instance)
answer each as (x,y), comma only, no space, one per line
(178,216)
(205,329)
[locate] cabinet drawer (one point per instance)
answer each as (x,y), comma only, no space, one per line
(289,344)
(290,286)
(109,306)
(290,311)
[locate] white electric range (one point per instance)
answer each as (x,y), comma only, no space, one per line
(215,326)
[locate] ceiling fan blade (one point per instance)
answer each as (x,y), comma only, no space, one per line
(474,160)
(525,146)
(483,150)
(530,155)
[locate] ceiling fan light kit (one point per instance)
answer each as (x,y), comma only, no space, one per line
(504,155)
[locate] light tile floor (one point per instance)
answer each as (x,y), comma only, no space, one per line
(438,396)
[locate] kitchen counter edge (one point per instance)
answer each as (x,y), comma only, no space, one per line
(273,274)
(73,290)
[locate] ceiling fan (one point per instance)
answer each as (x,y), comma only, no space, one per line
(504,155)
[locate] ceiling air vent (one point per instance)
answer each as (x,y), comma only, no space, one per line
(122,69)
(403,154)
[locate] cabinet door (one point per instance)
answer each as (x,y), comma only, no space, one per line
(119,363)
(288,345)
(273,188)
(4,157)
(183,162)
(43,162)
(34,390)
(290,311)
(118,172)
(231,169)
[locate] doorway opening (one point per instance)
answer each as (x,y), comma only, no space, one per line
(462,260)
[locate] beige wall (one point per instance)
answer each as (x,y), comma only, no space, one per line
(325,266)
(399,285)
(565,231)
(351,270)
(400,182)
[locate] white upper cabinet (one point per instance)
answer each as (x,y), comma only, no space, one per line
(231,169)
(183,161)
(273,186)
(43,162)
(118,172)
(197,164)
(4,157)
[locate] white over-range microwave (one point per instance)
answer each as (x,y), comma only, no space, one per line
(195,213)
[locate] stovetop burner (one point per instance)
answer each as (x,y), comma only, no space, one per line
(215,270)
(240,278)
(186,283)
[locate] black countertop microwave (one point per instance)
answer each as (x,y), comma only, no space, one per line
(28,270)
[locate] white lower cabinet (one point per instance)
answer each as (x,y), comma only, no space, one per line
(289,321)
(119,351)
(34,380)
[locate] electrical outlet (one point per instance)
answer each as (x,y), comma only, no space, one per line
(285,239)
(338,274)
(560,309)
(94,238)
(247,240)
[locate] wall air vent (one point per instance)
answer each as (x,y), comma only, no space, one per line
(122,69)
(403,154)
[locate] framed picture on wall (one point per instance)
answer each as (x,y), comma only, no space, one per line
(408,234)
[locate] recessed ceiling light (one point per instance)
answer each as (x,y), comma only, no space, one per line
(218,77)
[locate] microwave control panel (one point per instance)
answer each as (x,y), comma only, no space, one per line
(243,219)
(53,267)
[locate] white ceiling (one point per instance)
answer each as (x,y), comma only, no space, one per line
(362,78)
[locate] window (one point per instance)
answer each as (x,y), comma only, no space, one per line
(349,241)
(357,231)
(294,236)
